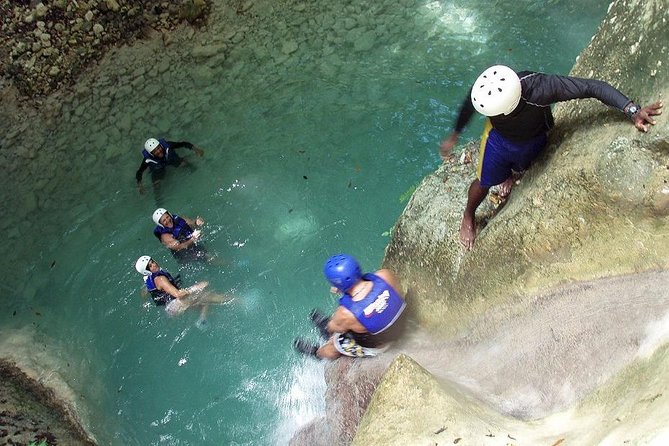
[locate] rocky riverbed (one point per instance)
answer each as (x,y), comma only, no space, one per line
(46,45)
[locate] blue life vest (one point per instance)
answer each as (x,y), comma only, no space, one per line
(160,297)
(159,163)
(180,230)
(379,309)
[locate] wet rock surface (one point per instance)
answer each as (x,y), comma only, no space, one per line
(593,207)
(351,384)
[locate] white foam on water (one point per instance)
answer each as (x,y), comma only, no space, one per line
(457,22)
(296,226)
(303,399)
(251,299)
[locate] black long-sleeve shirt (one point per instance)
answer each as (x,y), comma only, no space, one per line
(145,163)
(539,91)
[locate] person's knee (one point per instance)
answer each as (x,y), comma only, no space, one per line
(328,351)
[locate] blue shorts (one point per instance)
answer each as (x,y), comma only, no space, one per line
(498,156)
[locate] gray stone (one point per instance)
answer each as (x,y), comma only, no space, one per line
(289,47)
(201,75)
(365,42)
(41,10)
(152,90)
(205,52)
(113,5)
(98,29)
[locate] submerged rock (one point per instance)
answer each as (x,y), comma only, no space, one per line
(83,33)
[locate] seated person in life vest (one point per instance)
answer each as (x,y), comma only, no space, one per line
(157,155)
(166,290)
(177,234)
(369,316)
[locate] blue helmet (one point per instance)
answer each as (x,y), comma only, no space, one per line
(342,271)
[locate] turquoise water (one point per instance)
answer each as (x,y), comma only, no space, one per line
(316,120)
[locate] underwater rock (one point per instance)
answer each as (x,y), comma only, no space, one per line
(207,51)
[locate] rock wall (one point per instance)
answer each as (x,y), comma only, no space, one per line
(31,412)
(36,401)
(595,206)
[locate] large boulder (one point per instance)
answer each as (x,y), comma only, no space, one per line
(593,208)
(595,205)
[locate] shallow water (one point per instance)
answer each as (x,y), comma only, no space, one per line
(317,120)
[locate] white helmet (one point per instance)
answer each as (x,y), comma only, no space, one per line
(157,214)
(151,144)
(141,265)
(496,91)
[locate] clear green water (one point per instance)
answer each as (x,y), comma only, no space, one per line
(308,153)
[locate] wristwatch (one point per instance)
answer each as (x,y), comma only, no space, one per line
(631,110)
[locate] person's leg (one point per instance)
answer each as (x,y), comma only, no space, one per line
(328,351)
(157,175)
(493,169)
(475,196)
(321,322)
(176,307)
(504,189)
(520,155)
(208,297)
(305,347)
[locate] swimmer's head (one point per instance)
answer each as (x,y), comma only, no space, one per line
(151,144)
(496,91)
(342,271)
(142,265)
(158,214)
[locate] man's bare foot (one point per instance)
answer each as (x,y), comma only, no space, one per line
(467,233)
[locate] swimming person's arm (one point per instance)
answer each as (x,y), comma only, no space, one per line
(177,144)
(138,175)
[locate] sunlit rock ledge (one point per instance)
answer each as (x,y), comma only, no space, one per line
(523,357)
(35,397)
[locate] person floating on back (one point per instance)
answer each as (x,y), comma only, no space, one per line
(157,155)
(180,235)
(166,290)
(519,116)
(370,315)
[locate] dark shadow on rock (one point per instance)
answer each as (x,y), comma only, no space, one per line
(30,412)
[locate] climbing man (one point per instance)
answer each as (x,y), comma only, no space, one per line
(518,108)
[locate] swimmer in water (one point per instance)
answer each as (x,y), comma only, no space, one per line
(180,235)
(157,155)
(166,290)
(370,315)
